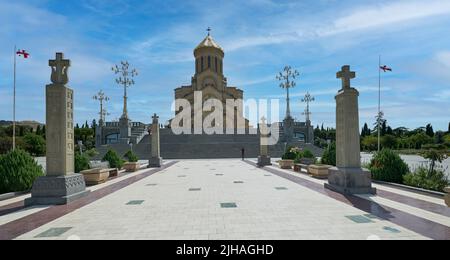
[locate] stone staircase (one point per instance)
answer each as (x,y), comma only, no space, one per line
(203,146)
(137,134)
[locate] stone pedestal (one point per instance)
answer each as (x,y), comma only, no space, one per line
(57,190)
(264,160)
(348,177)
(60,185)
(350,181)
(155,160)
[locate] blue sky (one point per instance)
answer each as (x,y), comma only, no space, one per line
(260,37)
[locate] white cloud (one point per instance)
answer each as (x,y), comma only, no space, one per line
(370,17)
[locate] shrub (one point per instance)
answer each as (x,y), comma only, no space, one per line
(81,162)
(308,154)
(388,166)
(329,155)
(290,153)
(132,157)
(113,159)
(421,178)
(91,153)
(18,170)
(34,144)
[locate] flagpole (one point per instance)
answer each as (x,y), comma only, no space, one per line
(14,101)
(379,103)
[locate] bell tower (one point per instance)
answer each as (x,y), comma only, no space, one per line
(209,66)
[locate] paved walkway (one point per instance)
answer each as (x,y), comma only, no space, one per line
(228,199)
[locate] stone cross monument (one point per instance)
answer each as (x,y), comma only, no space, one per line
(156,160)
(60,185)
(348,177)
(263,158)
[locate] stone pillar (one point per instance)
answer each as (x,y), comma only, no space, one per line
(348,177)
(155,160)
(99,133)
(125,130)
(60,185)
(264,158)
(288,128)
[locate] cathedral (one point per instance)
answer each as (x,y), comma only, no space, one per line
(210,80)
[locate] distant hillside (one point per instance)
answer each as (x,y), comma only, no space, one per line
(33,124)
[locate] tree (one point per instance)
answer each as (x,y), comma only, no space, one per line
(365,131)
(400,131)
(389,131)
(429,130)
(370,143)
(34,144)
(43,131)
(434,155)
(439,137)
(94,125)
(389,141)
(384,128)
(77,126)
(448,130)
(38,130)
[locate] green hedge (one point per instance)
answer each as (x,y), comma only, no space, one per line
(113,159)
(18,170)
(387,165)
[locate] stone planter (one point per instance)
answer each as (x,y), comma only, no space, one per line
(447,196)
(95,176)
(286,164)
(297,167)
(132,166)
(307,161)
(319,171)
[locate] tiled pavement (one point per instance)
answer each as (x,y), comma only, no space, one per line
(232,199)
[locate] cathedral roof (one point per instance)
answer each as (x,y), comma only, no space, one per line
(208,42)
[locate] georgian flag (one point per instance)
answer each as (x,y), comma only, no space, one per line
(385,68)
(23,53)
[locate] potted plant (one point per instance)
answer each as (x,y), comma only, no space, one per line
(132,165)
(307,158)
(287,160)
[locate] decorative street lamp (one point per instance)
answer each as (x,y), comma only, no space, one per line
(307,99)
(101,97)
(287,78)
(126,80)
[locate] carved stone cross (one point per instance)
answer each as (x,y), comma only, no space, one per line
(346,75)
(155,118)
(59,67)
(263,120)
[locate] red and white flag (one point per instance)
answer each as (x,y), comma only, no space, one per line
(23,53)
(385,68)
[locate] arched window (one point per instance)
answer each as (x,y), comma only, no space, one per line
(209,62)
(201,65)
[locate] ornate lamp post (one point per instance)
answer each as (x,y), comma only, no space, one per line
(101,97)
(126,80)
(307,99)
(287,78)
